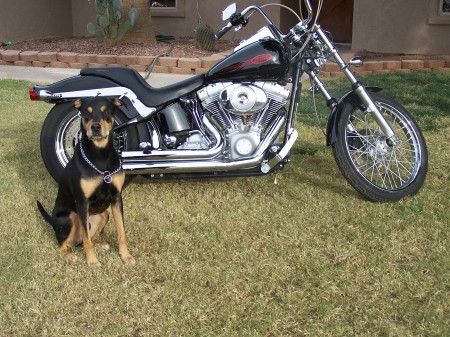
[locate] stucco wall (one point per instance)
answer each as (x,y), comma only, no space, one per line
(83,11)
(210,12)
(398,26)
(390,26)
(27,19)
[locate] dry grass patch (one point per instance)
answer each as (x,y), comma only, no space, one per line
(229,257)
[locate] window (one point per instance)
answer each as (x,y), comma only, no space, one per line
(439,12)
(167,8)
(445,8)
(163,3)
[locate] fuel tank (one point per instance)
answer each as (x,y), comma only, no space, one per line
(263,60)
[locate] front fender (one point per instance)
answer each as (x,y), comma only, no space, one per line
(352,98)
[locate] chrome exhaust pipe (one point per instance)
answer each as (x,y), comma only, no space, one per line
(155,155)
(133,166)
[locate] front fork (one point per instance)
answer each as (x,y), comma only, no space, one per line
(357,87)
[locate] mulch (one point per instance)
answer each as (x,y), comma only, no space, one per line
(180,47)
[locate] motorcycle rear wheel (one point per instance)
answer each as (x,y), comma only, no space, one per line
(377,169)
(60,134)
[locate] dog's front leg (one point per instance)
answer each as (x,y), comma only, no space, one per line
(97,223)
(83,214)
(117,211)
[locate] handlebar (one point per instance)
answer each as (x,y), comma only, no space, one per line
(310,12)
(240,19)
(223,31)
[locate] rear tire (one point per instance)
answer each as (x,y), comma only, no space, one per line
(379,171)
(61,131)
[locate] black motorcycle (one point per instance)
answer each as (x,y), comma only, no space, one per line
(238,118)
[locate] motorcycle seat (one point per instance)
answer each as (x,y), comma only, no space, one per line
(148,95)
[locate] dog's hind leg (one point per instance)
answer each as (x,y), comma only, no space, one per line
(71,240)
(97,222)
(117,211)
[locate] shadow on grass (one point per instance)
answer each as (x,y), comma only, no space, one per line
(320,171)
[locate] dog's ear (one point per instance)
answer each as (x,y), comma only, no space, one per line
(117,102)
(78,103)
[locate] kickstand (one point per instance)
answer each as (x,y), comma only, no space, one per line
(275,181)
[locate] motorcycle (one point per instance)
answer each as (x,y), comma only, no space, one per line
(238,118)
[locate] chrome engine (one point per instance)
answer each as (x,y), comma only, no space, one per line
(243,112)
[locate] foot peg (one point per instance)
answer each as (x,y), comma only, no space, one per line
(268,165)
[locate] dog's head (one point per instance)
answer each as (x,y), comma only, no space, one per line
(97,117)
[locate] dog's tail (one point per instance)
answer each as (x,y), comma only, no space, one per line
(44,213)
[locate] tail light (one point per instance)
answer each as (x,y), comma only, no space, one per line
(34,96)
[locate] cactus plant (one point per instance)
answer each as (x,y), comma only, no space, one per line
(204,35)
(109,20)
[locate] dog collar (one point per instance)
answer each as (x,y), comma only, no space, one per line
(107,176)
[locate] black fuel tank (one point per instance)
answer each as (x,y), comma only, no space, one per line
(263,60)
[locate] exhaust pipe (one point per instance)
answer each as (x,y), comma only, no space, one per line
(129,156)
(133,166)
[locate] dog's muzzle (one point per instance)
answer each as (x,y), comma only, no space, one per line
(96,132)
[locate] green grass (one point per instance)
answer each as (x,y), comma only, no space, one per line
(296,254)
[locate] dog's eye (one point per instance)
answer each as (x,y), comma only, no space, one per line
(108,119)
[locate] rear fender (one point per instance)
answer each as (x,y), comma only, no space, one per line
(75,83)
(92,86)
(60,92)
(352,98)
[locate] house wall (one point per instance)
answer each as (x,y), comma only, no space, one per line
(181,26)
(389,26)
(83,12)
(25,19)
(210,13)
(399,26)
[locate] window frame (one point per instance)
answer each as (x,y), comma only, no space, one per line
(435,14)
(177,11)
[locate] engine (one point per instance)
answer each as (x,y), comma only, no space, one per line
(243,112)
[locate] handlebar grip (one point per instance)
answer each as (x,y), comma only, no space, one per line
(223,31)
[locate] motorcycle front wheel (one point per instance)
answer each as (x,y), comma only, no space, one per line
(61,131)
(379,170)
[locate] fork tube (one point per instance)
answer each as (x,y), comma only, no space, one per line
(293,104)
(357,86)
(319,84)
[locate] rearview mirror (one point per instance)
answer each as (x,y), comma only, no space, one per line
(229,11)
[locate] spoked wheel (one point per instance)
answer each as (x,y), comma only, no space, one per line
(60,134)
(376,167)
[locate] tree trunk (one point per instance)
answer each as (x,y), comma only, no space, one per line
(143,30)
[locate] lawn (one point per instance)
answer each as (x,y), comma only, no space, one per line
(299,253)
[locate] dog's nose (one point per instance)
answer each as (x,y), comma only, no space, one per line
(96,127)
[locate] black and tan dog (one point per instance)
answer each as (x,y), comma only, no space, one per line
(90,183)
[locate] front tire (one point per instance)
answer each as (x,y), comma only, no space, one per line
(61,131)
(377,169)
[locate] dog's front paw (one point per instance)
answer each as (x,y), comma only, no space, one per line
(70,258)
(94,263)
(128,259)
(101,243)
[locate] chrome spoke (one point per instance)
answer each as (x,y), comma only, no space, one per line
(387,167)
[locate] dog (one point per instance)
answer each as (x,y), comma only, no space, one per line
(91,182)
